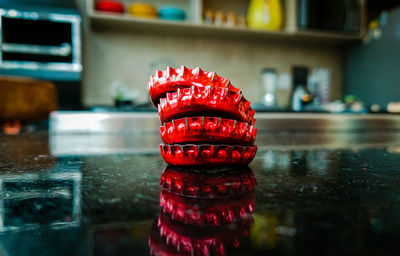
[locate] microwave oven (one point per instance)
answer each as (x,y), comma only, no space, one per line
(330,15)
(40,43)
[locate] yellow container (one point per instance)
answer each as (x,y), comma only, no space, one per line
(265,14)
(143,10)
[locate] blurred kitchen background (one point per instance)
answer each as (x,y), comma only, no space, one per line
(81,175)
(286,55)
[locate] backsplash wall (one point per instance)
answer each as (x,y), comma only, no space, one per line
(131,57)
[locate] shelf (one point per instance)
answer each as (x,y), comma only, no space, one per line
(115,21)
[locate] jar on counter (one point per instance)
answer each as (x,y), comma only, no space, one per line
(269,81)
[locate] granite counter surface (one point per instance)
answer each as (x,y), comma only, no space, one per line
(315,194)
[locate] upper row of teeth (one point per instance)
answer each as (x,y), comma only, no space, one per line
(208,92)
(196,72)
(184,70)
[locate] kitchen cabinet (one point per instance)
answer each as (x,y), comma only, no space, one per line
(194,25)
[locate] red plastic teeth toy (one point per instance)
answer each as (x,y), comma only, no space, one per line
(206,129)
(172,79)
(205,120)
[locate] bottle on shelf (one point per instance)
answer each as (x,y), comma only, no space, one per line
(219,18)
(242,22)
(231,20)
(265,14)
(209,17)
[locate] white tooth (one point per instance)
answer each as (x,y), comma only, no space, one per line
(212,76)
(196,71)
(210,90)
(169,71)
(227,83)
(182,71)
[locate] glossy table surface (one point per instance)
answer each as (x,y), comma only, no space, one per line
(316,194)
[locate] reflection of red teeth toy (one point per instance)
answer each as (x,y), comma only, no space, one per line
(171,79)
(197,100)
(206,211)
(180,239)
(208,130)
(203,211)
(207,154)
(196,184)
(159,247)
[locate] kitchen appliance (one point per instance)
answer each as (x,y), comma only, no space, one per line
(269,81)
(336,15)
(301,96)
(41,43)
(44,43)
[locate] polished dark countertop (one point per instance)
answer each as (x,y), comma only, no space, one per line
(316,194)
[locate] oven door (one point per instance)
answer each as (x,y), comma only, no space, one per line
(40,44)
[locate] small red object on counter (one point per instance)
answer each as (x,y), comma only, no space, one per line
(205,119)
(110,6)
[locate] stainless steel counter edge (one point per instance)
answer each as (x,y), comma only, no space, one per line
(148,122)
